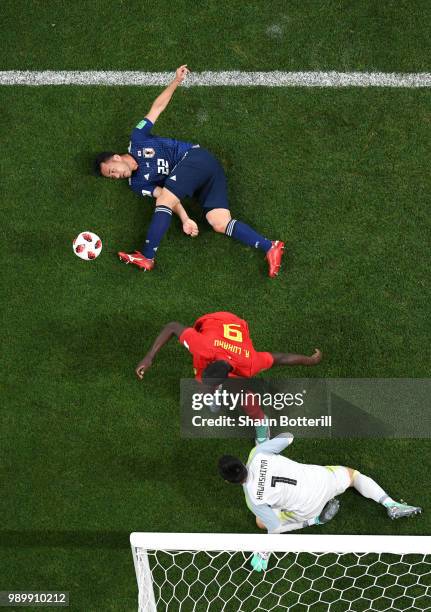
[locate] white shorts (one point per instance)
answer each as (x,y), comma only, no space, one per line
(330,481)
(338,481)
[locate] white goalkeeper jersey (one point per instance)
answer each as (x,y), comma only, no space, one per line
(284,494)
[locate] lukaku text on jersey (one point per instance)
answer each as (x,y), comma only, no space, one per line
(156,158)
(223,335)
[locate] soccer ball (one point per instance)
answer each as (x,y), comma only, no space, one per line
(87,245)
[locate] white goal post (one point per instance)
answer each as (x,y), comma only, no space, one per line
(211,572)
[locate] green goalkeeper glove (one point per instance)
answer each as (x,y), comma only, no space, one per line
(259,561)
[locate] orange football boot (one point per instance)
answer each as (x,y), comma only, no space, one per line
(274,256)
(137,259)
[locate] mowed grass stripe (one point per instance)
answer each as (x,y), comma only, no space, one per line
(223,78)
(87,449)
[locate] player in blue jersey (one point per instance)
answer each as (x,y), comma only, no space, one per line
(169,170)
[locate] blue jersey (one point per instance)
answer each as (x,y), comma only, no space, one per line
(155,156)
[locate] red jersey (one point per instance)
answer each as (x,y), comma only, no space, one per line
(223,335)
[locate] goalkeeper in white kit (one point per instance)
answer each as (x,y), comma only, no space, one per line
(286,495)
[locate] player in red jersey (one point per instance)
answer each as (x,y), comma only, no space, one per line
(221,347)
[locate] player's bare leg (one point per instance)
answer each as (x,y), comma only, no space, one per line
(219,218)
(162,216)
(221,221)
(167,198)
(368,487)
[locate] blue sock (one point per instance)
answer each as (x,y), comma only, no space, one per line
(159,225)
(245,234)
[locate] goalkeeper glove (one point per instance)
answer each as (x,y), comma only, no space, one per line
(259,561)
(328,512)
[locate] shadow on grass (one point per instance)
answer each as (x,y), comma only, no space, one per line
(84,162)
(68,539)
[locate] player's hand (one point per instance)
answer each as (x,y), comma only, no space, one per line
(316,357)
(259,561)
(143,366)
(190,228)
(181,73)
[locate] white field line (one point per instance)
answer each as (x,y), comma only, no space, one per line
(214,79)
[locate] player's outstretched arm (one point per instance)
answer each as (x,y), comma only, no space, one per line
(288,527)
(275,445)
(171,329)
(292,359)
(161,102)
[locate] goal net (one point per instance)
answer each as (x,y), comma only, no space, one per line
(199,572)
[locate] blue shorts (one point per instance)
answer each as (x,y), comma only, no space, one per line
(201,175)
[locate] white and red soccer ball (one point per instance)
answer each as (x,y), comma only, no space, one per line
(87,245)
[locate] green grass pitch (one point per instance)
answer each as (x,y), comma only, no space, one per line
(89,453)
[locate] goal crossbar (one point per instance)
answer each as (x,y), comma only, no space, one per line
(281,543)
(192,572)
